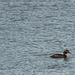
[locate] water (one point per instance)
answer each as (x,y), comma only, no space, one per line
(31,31)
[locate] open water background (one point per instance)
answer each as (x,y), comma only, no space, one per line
(31,31)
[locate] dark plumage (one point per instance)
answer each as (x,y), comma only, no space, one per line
(61,55)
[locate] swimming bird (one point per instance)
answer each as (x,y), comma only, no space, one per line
(61,55)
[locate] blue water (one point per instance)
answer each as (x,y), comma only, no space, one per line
(31,31)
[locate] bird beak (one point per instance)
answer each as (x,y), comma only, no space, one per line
(69,52)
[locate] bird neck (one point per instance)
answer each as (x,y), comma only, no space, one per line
(64,53)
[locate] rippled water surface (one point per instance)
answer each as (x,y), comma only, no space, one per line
(31,31)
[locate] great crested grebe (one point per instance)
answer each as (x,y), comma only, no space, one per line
(61,55)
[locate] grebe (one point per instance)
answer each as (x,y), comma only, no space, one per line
(61,55)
